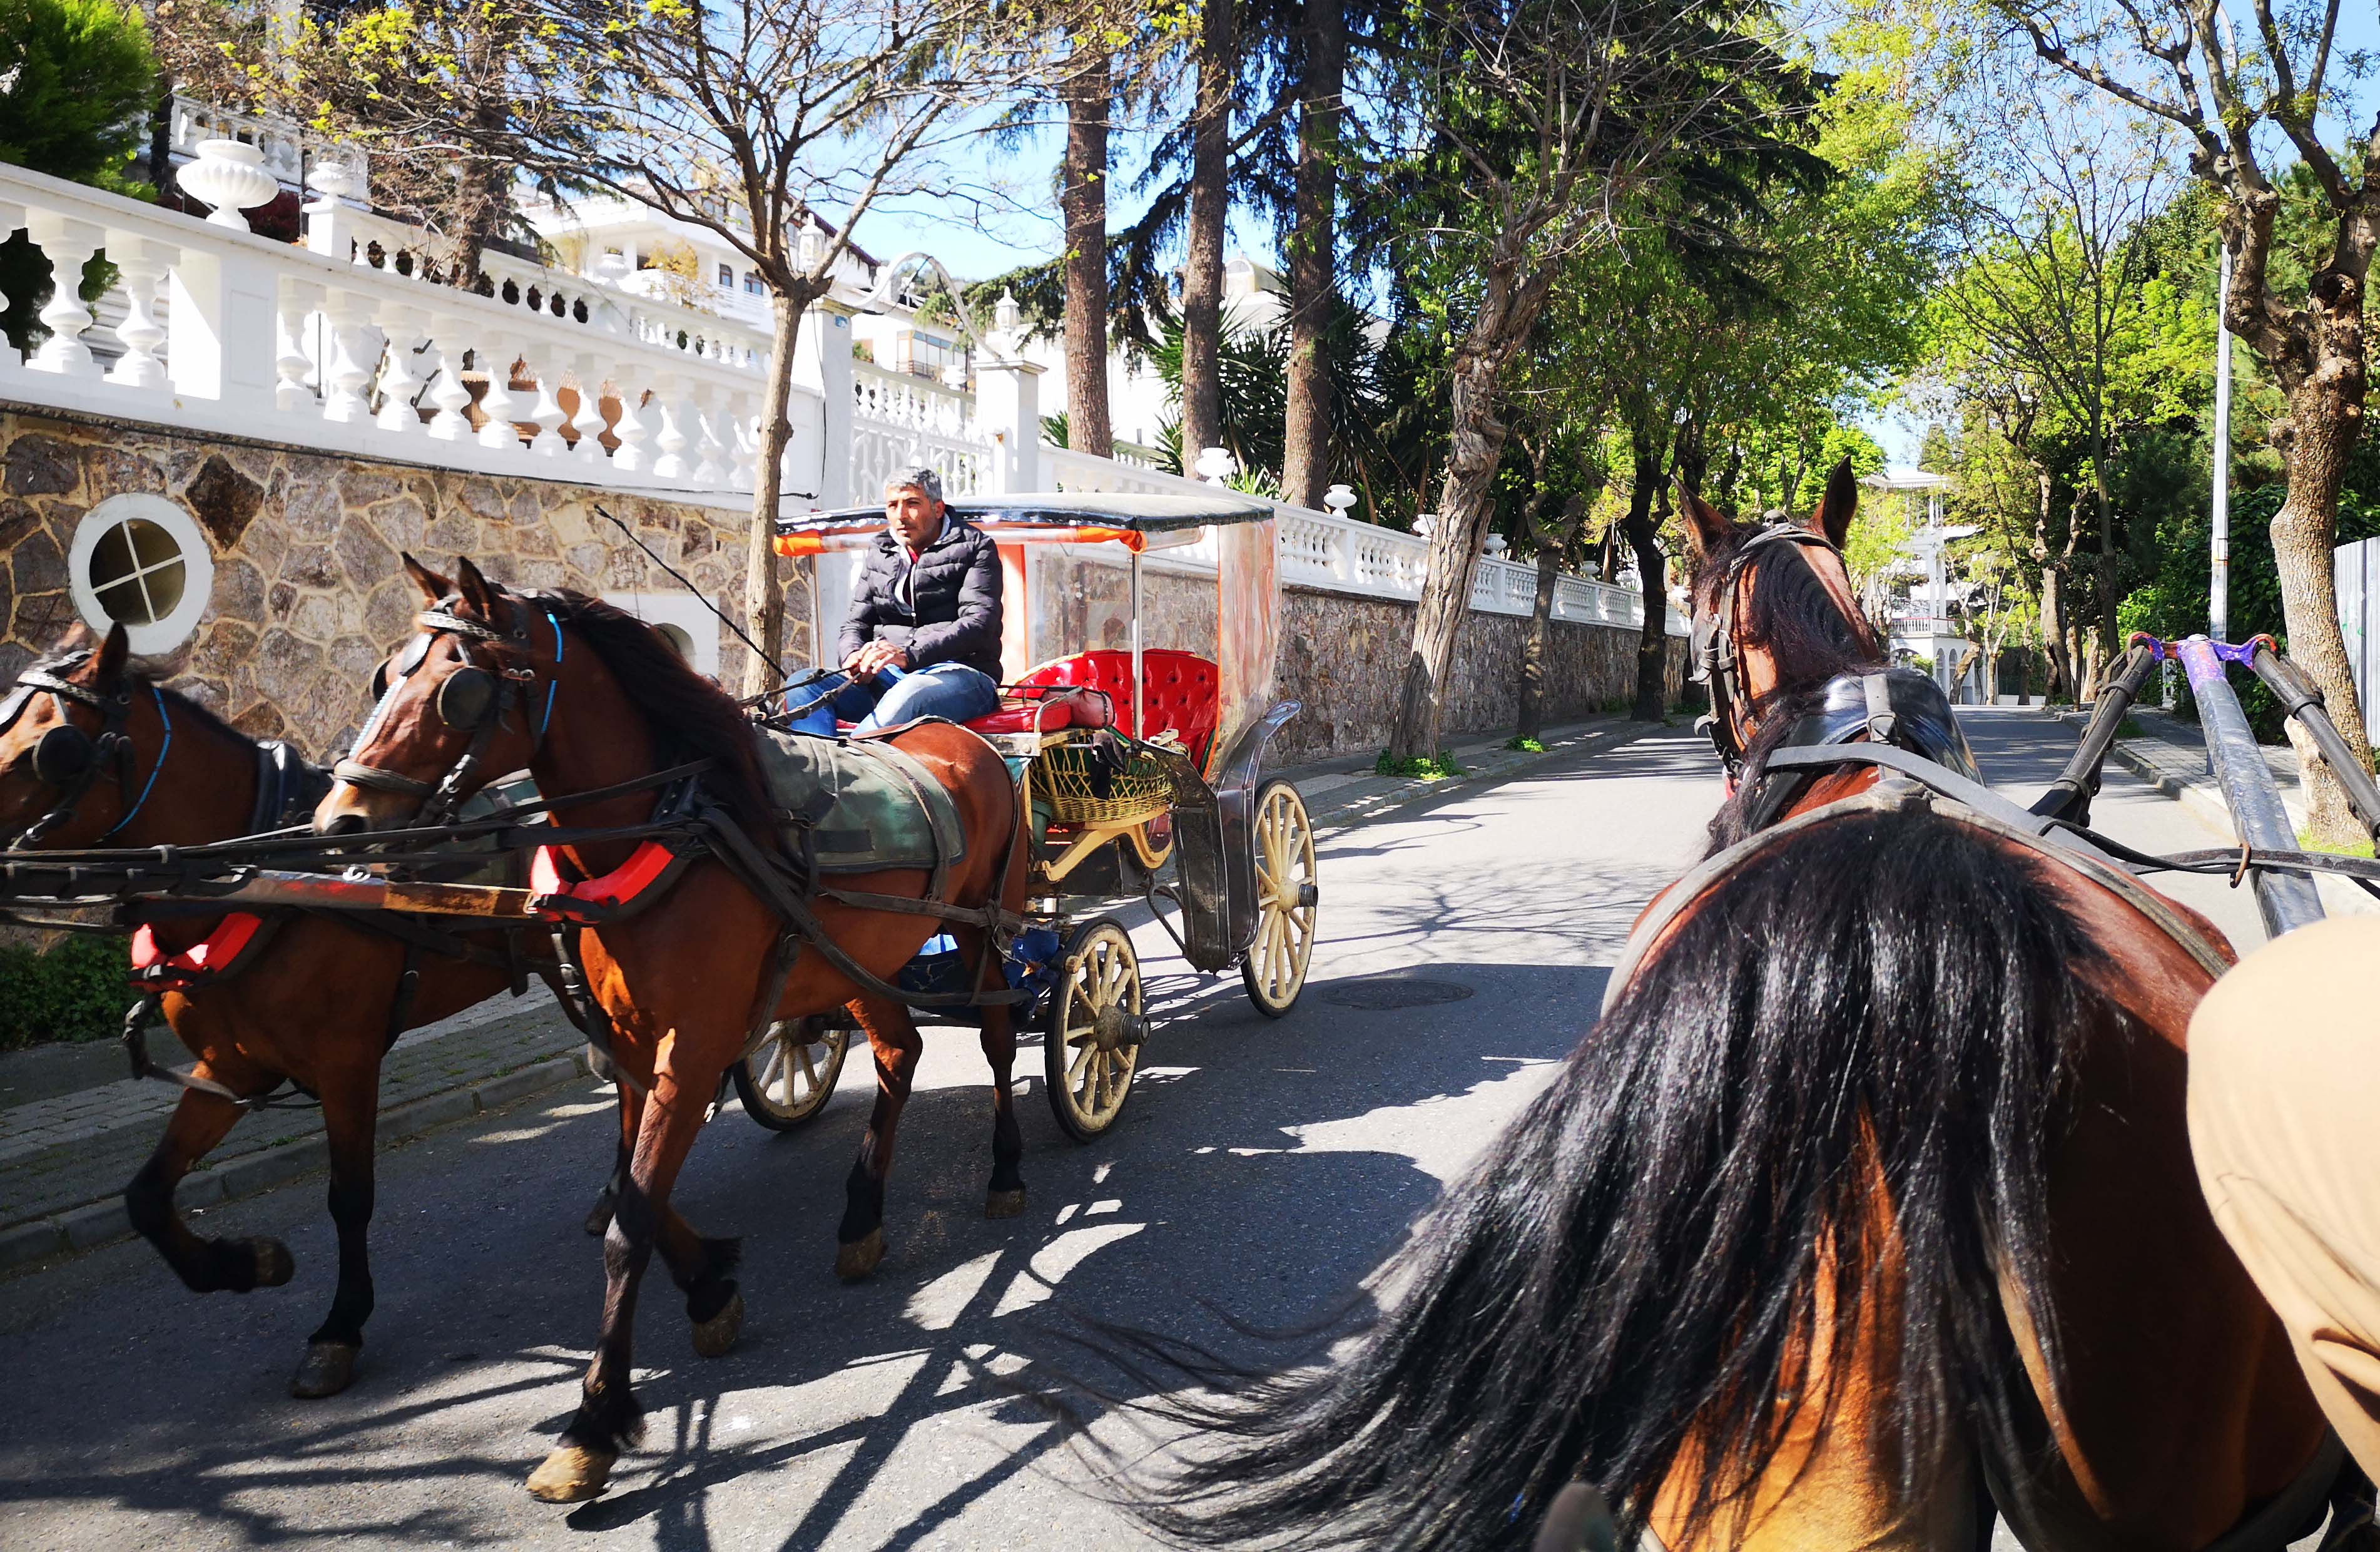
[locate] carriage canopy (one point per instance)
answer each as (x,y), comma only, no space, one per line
(1137,522)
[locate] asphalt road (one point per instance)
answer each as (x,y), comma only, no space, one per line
(1263,1169)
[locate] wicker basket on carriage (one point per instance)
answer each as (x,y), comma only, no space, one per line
(1069,777)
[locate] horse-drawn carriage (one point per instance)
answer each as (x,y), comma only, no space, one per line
(1128,762)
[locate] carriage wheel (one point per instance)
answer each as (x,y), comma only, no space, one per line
(1274,968)
(1090,1044)
(787,1081)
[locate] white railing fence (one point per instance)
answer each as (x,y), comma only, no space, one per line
(1340,555)
(354,349)
(347,344)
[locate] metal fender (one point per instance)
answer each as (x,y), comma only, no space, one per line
(1215,842)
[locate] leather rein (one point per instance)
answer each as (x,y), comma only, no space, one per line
(1718,663)
(70,760)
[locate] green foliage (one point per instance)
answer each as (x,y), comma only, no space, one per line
(1429,767)
(2175,603)
(75,991)
(1525,745)
(82,76)
(1254,369)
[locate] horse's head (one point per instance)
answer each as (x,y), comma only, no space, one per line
(62,732)
(1774,611)
(467,699)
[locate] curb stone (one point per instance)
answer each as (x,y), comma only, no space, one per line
(99,1223)
(2178,772)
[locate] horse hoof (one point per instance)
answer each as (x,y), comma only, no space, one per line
(599,1216)
(715,1337)
(1004,1204)
(327,1369)
(571,1475)
(855,1261)
(274,1266)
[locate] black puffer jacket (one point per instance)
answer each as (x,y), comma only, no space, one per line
(957,614)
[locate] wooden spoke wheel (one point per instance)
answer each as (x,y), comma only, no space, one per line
(790,1076)
(1090,1046)
(1274,967)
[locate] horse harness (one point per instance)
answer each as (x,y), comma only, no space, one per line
(472,700)
(1715,660)
(71,760)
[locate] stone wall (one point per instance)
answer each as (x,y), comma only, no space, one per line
(309,595)
(1343,658)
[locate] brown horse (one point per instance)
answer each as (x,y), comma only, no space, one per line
(1870,1191)
(311,999)
(601,700)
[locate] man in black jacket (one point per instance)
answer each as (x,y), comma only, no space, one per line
(922,638)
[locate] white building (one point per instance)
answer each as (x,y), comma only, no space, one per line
(1925,604)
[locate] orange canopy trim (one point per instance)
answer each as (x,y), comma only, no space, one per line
(798,544)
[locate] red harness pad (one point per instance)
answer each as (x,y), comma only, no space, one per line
(617,889)
(205,959)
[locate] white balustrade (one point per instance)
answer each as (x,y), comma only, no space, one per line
(143,264)
(498,407)
(69,244)
(400,382)
(354,343)
(546,414)
(1337,553)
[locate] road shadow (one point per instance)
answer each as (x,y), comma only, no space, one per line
(1237,1180)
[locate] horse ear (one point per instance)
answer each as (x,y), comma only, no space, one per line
(1839,506)
(105,664)
(433,586)
(479,593)
(1707,531)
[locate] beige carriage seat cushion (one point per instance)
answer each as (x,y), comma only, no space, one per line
(870,805)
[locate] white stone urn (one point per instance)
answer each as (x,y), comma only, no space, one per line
(1215,466)
(1496,545)
(333,177)
(230,175)
(1339,498)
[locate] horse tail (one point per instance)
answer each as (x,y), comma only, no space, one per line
(1861,1035)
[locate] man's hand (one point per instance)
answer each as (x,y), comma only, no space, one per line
(876,655)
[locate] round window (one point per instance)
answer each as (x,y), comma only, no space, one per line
(140,561)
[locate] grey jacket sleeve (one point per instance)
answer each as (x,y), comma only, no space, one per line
(975,633)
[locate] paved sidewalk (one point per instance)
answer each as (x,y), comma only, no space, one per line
(65,1156)
(2170,754)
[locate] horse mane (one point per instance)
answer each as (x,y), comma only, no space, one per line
(1787,614)
(691,717)
(1626,1289)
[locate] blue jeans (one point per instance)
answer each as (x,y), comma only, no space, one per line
(952,691)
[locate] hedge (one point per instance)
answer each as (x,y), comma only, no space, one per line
(75,991)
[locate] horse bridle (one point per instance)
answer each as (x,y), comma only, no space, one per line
(1716,662)
(71,760)
(473,700)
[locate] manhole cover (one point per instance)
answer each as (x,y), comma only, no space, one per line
(1381,993)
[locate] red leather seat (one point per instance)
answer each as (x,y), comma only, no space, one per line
(1041,709)
(1182,694)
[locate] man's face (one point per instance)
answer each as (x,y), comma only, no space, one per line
(912,515)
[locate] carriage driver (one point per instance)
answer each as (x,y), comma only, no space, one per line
(927,608)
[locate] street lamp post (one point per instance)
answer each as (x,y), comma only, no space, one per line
(2218,585)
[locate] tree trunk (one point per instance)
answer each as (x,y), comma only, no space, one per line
(1313,255)
(2323,420)
(2105,570)
(160,138)
(1466,499)
(1532,719)
(764,601)
(1202,271)
(1083,198)
(1644,532)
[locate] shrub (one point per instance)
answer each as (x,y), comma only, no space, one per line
(73,991)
